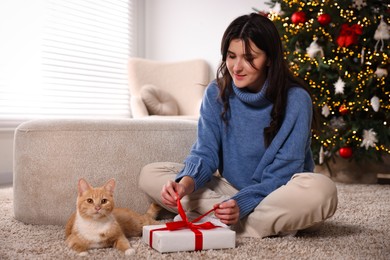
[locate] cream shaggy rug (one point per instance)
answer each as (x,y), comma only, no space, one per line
(360,229)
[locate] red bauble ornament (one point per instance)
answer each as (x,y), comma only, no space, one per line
(324,19)
(343,109)
(298,17)
(345,152)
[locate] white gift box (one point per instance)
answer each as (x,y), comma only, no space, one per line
(184,239)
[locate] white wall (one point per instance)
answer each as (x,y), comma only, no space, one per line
(6,156)
(187,29)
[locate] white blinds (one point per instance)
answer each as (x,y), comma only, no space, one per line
(78,67)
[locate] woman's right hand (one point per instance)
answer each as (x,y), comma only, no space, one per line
(172,190)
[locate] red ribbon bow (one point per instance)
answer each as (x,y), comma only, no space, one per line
(184,223)
(349,35)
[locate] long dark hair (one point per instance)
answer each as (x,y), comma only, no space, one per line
(263,33)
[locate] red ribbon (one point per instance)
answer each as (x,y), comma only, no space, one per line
(184,223)
(349,35)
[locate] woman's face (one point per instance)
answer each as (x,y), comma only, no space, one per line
(240,68)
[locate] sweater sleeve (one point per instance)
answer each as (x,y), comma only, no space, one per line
(203,159)
(284,157)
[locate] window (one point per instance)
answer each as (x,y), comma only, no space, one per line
(65,59)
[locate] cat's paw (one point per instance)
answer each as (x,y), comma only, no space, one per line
(130,251)
(84,253)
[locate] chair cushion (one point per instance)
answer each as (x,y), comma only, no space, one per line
(158,101)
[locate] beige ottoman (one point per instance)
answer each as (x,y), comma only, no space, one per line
(51,155)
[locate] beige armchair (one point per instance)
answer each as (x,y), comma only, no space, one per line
(167,89)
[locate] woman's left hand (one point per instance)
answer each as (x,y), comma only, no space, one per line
(228,212)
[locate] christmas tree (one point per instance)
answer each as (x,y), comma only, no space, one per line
(341,50)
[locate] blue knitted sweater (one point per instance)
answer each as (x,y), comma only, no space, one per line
(238,151)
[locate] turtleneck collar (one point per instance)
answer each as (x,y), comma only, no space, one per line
(254,99)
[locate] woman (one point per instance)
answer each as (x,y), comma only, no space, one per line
(252,158)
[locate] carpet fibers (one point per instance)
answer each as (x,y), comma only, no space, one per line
(360,229)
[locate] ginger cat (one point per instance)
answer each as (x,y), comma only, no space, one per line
(98,224)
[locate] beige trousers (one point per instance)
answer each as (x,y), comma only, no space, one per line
(305,201)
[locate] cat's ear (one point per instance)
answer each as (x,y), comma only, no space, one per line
(83,186)
(110,186)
